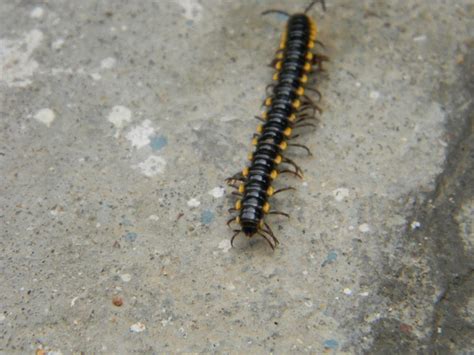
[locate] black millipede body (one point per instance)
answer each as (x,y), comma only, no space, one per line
(287,107)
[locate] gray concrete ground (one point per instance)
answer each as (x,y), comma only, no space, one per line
(120,121)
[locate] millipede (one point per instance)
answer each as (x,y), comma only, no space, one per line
(287,109)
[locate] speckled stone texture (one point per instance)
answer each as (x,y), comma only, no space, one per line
(120,121)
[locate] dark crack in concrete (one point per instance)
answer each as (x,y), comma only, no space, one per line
(440,243)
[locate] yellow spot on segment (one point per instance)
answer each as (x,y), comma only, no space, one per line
(250,156)
(268,101)
(241,188)
(274,174)
(283,145)
(245,172)
(254,141)
(259,128)
(278,65)
(296,103)
(264,115)
(307,67)
(238,205)
(275,77)
(287,131)
(270,191)
(300,91)
(237,219)
(278,159)
(266,207)
(292,117)
(279,55)
(309,56)
(282,45)
(304,78)
(311,44)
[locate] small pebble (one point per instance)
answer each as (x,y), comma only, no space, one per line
(217,192)
(207,216)
(137,327)
(117,301)
(126,277)
(130,236)
(415,225)
(193,203)
(364,228)
(331,344)
(340,194)
(374,95)
(406,328)
(347,291)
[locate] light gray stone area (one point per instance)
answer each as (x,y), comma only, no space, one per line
(120,120)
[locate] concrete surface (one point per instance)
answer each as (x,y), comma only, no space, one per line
(120,121)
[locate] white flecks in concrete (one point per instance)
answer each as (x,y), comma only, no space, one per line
(16,66)
(57,44)
(37,12)
(137,327)
(140,135)
(2,317)
(45,116)
(364,228)
(230,287)
(96,76)
(152,166)
(364,294)
(347,291)
(415,225)
(192,9)
(119,116)
(154,217)
(374,95)
(194,202)
(108,63)
(419,38)
(126,277)
(340,193)
(73,301)
(225,245)
(217,192)
(358,84)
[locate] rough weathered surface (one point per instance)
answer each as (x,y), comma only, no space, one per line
(120,121)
